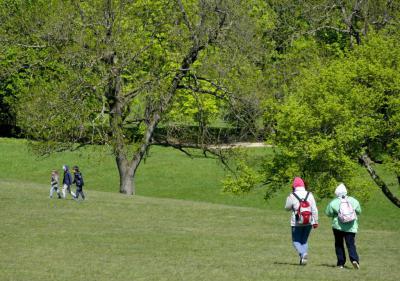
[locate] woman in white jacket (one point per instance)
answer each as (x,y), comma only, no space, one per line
(301,229)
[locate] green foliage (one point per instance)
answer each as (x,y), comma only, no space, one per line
(337,112)
(285,68)
(190,107)
(244,167)
(243,181)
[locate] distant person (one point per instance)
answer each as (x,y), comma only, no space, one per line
(344,210)
(304,217)
(78,180)
(54,184)
(67,182)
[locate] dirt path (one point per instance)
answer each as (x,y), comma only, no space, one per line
(241,144)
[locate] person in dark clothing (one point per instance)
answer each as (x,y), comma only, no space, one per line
(78,180)
(67,182)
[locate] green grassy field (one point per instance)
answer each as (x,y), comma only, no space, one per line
(178,237)
(166,173)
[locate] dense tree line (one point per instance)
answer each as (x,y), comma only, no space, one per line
(317,78)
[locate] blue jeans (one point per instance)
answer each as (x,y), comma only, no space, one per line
(299,238)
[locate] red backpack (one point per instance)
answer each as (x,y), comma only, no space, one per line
(303,213)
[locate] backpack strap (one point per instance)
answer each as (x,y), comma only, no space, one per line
(298,198)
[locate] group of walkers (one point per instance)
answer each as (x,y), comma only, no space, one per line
(66,183)
(343,210)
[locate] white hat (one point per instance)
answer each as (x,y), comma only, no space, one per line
(341,190)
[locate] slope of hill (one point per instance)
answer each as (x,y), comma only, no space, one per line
(112,237)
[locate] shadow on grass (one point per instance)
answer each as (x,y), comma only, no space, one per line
(296,264)
(286,263)
(327,265)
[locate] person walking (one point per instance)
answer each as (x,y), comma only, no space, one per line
(67,182)
(54,180)
(344,210)
(304,217)
(78,180)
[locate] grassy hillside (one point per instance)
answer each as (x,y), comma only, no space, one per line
(167,173)
(113,237)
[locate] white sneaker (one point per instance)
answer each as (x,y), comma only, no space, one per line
(356,265)
(304,259)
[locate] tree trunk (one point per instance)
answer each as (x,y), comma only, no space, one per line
(126,179)
(366,161)
(127,169)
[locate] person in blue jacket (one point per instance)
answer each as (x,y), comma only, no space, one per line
(67,182)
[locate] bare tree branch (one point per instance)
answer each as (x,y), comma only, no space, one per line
(206,149)
(367,163)
(217,86)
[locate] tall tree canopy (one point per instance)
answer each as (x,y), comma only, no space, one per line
(318,78)
(335,103)
(109,71)
(341,115)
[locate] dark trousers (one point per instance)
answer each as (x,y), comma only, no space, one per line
(349,238)
(79,191)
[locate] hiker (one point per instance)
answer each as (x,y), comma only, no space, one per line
(78,180)
(67,182)
(54,184)
(304,217)
(344,210)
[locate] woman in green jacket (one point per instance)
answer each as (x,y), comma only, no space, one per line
(344,231)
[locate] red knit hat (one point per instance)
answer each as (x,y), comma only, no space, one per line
(297,182)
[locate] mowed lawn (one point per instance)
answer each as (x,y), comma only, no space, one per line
(165,173)
(114,237)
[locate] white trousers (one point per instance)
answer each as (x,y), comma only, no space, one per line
(67,188)
(55,188)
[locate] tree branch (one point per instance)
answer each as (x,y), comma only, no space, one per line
(223,15)
(366,162)
(186,19)
(134,93)
(202,91)
(218,87)
(206,149)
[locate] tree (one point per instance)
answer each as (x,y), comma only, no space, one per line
(352,19)
(340,116)
(109,71)
(14,72)
(313,73)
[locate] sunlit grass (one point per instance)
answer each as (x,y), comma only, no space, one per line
(114,237)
